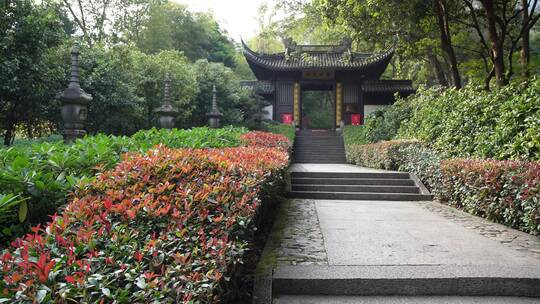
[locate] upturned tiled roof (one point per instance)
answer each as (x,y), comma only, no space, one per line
(260,87)
(316,59)
(388,86)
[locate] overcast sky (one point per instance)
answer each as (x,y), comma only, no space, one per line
(238,17)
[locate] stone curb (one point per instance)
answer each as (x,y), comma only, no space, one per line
(485,280)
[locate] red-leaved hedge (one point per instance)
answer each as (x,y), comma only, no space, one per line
(266,139)
(506,192)
(166,227)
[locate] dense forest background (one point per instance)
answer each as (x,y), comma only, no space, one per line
(126,49)
(128,46)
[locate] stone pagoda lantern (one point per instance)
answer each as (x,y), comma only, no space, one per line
(74,103)
(214,115)
(166,114)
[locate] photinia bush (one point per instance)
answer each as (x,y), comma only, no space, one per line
(165,227)
(265,139)
(506,192)
(43,173)
(278,128)
(382,155)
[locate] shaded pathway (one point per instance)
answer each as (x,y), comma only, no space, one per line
(336,251)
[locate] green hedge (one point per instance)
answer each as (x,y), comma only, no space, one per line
(384,155)
(507,192)
(283,129)
(474,123)
(166,226)
(41,175)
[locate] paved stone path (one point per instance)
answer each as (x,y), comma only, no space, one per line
(302,242)
(324,232)
(331,240)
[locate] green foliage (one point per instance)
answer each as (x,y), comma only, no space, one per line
(170,26)
(151,71)
(422,161)
(318,109)
(383,155)
(503,124)
(355,135)
(503,191)
(168,226)
(44,173)
(29,80)
(238,105)
(109,75)
(384,123)
(283,129)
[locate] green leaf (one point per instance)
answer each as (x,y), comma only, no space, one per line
(41,294)
(40,185)
(23,211)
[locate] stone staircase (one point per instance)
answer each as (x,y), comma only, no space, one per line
(324,147)
(384,186)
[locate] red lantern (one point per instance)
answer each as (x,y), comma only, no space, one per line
(287,119)
(356,119)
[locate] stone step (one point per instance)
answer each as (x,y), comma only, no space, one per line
(361,196)
(354,188)
(319,150)
(376,175)
(352,181)
(303,161)
(311,147)
(322,156)
(321,299)
(320,160)
(322,153)
(426,280)
(313,155)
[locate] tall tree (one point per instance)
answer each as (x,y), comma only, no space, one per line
(28,33)
(441,10)
(171,26)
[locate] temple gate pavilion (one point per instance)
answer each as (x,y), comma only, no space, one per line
(352,78)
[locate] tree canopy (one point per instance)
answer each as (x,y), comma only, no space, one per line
(127,47)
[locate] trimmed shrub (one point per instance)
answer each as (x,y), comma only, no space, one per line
(422,161)
(355,135)
(42,174)
(283,129)
(384,123)
(383,155)
(507,192)
(473,123)
(265,139)
(169,226)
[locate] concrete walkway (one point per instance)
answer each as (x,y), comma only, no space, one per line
(359,241)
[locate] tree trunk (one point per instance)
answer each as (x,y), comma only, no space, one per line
(525,49)
(497,52)
(436,67)
(9,135)
(446,41)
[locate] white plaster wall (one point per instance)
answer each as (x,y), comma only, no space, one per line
(371,108)
(269,112)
